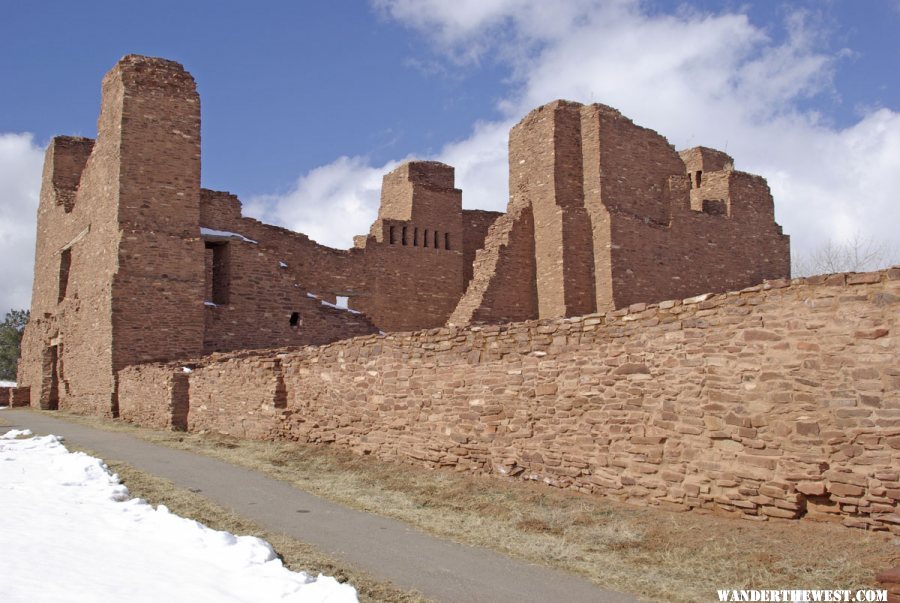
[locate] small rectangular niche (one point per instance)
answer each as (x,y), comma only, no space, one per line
(65,265)
(715,207)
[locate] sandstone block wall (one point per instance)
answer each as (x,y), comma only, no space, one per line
(504,272)
(5,396)
(401,276)
(620,218)
(20,396)
(157,294)
(781,400)
(414,252)
(154,395)
(135,263)
(66,353)
(476,223)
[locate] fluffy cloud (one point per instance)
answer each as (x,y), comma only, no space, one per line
(330,204)
(20,177)
(714,79)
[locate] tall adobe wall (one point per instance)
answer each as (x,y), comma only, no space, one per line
(136,263)
(261,281)
(780,400)
(414,252)
(122,266)
(117,228)
(407,273)
(615,216)
(157,291)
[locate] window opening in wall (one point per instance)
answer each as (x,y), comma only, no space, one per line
(403,235)
(436,240)
(415,237)
(446,240)
(342,302)
(65,263)
(391,236)
(425,239)
(699,178)
(295,319)
(219,272)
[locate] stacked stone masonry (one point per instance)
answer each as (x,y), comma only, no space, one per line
(136,263)
(604,213)
(781,400)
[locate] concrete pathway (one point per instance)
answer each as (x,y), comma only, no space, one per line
(386,548)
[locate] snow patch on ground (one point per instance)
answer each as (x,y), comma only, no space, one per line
(7,383)
(71,533)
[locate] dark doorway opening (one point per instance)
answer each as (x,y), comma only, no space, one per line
(50,395)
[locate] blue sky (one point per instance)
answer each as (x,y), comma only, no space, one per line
(306,104)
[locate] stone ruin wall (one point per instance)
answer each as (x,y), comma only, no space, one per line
(123,274)
(604,213)
(15,396)
(396,285)
(270,276)
(781,400)
(66,348)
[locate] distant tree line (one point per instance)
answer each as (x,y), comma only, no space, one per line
(10,342)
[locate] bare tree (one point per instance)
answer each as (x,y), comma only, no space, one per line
(858,254)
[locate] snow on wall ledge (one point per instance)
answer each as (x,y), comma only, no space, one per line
(780,400)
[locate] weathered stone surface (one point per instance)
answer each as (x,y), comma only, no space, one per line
(596,201)
(777,398)
(566,417)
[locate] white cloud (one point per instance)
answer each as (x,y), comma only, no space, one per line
(330,204)
(715,79)
(21,162)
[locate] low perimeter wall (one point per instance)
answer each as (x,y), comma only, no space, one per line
(781,400)
(15,396)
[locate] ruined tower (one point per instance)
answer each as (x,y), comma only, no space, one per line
(604,213)
(414,252)
(117,225)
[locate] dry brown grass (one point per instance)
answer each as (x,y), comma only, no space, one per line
(296,555)
(653,553)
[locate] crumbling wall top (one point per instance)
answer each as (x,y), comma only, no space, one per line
(706,159)
(429,173)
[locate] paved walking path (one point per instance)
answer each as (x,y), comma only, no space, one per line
(386,548)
